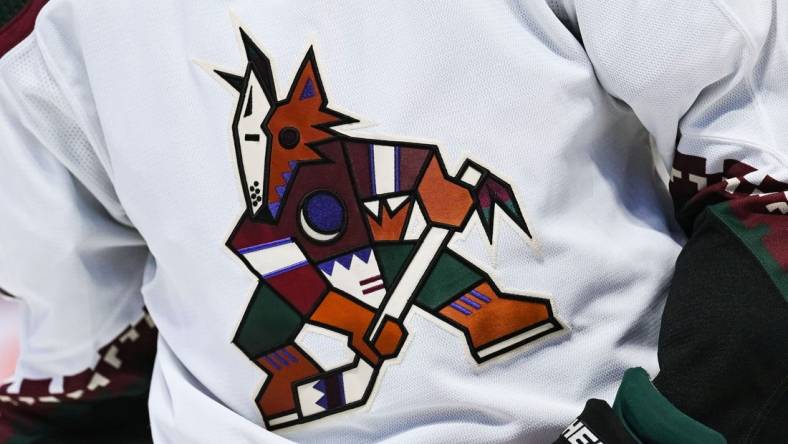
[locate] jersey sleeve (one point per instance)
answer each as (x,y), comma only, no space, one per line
(708,79)
(70,255)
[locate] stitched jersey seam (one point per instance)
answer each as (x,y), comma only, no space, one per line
(748,75)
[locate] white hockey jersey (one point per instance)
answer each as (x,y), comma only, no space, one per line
(364,221)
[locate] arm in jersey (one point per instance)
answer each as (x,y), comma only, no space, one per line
(709,81)
(71,258)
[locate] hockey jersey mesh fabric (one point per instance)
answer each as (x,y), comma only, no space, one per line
(350,223)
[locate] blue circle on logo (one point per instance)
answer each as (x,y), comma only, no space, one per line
(324,212)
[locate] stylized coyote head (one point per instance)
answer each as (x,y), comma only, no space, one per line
(272,137)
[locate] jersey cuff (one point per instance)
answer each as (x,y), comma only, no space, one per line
(650,417)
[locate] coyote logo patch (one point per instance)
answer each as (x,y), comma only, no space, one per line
(346,234)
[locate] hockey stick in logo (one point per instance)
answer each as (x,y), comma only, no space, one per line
(488,194)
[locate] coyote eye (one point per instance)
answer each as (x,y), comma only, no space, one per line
(289,137)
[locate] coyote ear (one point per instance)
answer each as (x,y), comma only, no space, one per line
(237,82)
(261,66)
(307,85)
